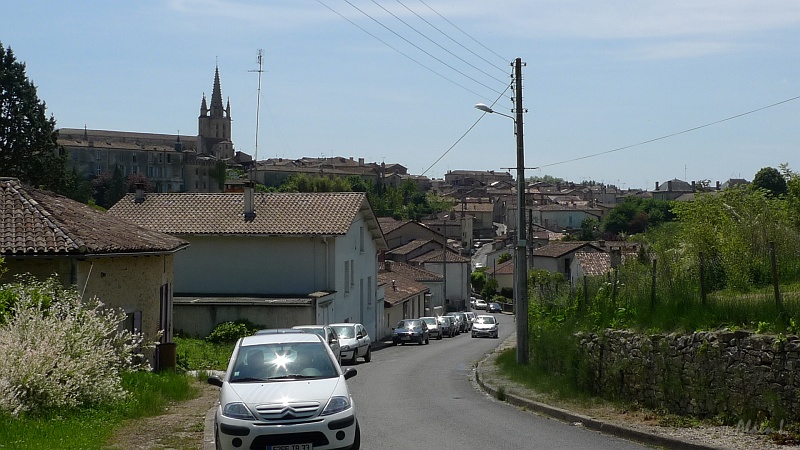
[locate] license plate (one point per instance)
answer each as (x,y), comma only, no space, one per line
(291,447)
(405,338)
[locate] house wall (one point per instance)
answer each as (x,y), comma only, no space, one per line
(458,283)
(560,219)
(198,319)
(285,266)
(132,283)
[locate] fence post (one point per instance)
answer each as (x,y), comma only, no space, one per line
(702,279)
(653,286)
(774,262)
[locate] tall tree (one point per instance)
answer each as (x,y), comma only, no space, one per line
(29,147)
(771,180)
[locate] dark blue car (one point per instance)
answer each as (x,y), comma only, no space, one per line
(410,330)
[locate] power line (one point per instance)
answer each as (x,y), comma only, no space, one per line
(418,47)
(399,51)
(448,37)
(436,43)
(465,133)
(464,32)
(670,135)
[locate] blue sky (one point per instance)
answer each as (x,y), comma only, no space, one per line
(599,76)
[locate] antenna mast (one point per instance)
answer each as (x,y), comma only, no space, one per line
(258,110)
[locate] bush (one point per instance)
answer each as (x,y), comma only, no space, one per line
(227,332)
(60,352)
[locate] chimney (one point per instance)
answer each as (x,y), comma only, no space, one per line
(656,185)
(360,161)
(669,186)
(139,197)
(249,206)
(616,257)
(394,286)
(717,184)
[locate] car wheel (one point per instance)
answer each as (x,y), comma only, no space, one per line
(357,440)
(439,337)
(496,335)
(217,443)
(473,334)
(421,340)
(427,340)
(368,356)
(352,360)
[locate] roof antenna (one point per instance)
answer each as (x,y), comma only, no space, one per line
(258,110)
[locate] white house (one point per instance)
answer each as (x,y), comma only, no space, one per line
(276,259)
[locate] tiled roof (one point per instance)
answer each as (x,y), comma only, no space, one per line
(594,263)
(505,268)
(557,249)
(435,256)
(389,224)
(40,222)
(413,272)
(398,287)
(285,214)
(410,246)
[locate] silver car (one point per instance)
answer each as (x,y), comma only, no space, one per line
(485,325)
(354,342)
(433,327)
(327,334)
(284,390)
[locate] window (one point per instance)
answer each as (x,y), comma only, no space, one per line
(352,273)
(347,276)
(133,158)
(99,169)
(361,239)
(134,170)
(169,159)
(98,154)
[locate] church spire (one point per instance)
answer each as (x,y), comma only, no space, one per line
(216,97)
(203,107)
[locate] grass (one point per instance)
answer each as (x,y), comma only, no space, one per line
(199,354)
(91,428)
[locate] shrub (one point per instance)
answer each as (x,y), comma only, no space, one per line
(231,331)
(61,352)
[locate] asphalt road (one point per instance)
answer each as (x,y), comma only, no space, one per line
(422,396)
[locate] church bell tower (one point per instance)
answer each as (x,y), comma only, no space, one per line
(214,125)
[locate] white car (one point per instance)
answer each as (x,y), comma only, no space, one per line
(480,303)
(285,390)
(354,342)
(485,325)
(326,333)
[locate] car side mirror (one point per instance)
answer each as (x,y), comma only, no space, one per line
(215,381)
(350,373)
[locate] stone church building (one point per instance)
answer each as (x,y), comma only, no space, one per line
(173,163)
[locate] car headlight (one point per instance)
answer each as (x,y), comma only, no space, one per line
(335,405)
(345,348)
(237,410)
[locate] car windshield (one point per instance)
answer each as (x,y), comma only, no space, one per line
(429,320)
(345,331)
(409,324)
(317,331)
(486,319)
(283,362)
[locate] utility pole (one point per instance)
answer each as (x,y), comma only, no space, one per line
(520,256)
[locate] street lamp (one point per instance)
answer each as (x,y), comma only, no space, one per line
(520,253)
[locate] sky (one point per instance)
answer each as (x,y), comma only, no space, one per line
(622,92)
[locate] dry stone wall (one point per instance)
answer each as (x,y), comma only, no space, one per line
(731,374)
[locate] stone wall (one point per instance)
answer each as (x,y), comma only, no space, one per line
(733,374)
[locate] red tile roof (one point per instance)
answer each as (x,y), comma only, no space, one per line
(33,221)
(284,214)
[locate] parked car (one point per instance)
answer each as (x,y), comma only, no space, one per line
(327,334)
(463,324)
(470,317)
(277,331)
(447,326)
(354,341)
(284,389)
(410,330)
(494,307)
(485,325)
(433,327)
(480,303)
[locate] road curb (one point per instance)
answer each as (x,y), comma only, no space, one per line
(584,421)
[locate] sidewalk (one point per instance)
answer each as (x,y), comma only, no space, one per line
(489,379)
